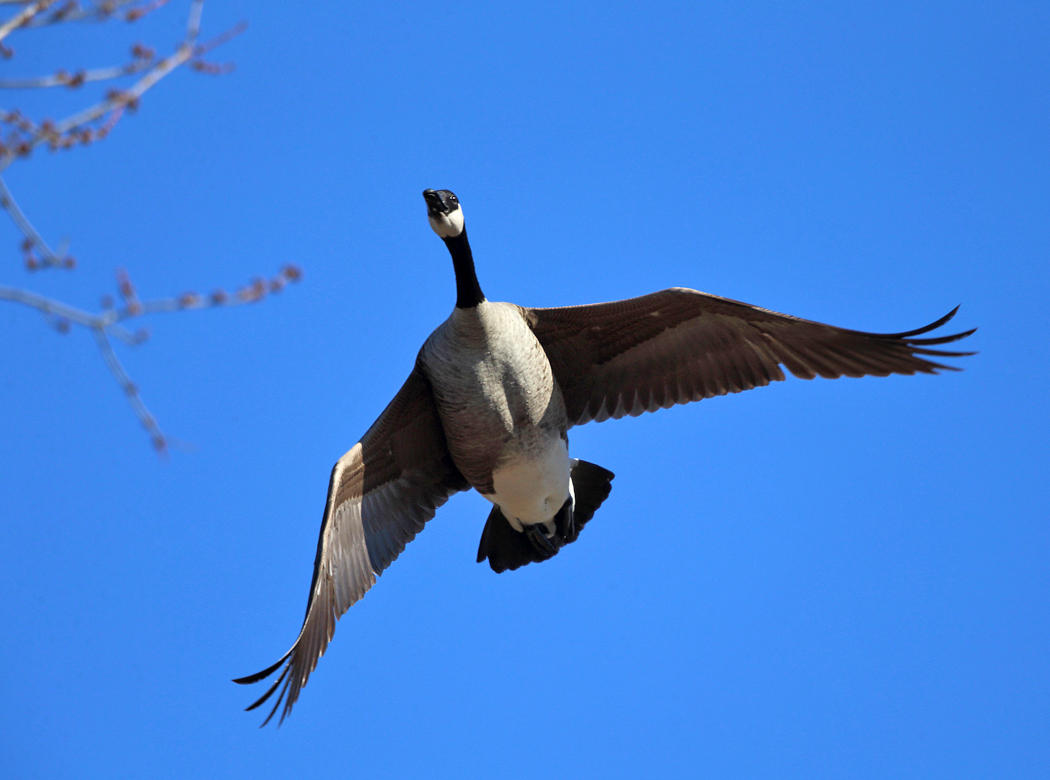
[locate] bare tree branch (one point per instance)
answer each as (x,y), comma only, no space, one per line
(62,78)
(77,127)
(74,11)
(87,126)
(23,17)
(33,240)
(106,324)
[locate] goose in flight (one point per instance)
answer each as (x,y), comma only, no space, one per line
(490,400)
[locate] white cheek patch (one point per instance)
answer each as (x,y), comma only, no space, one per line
(447,225)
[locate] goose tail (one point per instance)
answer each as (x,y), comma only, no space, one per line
(506,548)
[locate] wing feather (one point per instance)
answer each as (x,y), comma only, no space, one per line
(680,345)
(380,495)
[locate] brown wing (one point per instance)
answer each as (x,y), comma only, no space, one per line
(679,345)
(381,493)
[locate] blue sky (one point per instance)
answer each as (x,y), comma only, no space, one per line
(816,579)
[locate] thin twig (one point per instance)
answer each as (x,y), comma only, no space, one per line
(33,239)
(193,21)
(131,392)
(106,324)
(23,17)
(72,12)
(55,308)
(64,79)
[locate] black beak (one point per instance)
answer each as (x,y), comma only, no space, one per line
(433,200)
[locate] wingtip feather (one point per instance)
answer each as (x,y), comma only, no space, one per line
(254,678)
(925,328)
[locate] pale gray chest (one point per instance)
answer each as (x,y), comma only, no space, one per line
(494,389)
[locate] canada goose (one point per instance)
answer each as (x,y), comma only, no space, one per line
(495,389)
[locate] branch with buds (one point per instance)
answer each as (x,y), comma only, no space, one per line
(108,323)
(21,135)
(95,122)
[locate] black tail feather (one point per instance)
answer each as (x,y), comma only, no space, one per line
(591,484)
(506,548)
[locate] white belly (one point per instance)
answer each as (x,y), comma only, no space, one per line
(531,488)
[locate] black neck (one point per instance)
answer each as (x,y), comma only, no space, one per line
(468,291)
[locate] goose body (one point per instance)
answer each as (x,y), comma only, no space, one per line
(493,393)
(501,410)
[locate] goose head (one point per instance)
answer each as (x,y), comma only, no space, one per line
(446,219)
(444,212)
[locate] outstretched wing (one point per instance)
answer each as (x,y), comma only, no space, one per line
(381,493)
(680,345)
